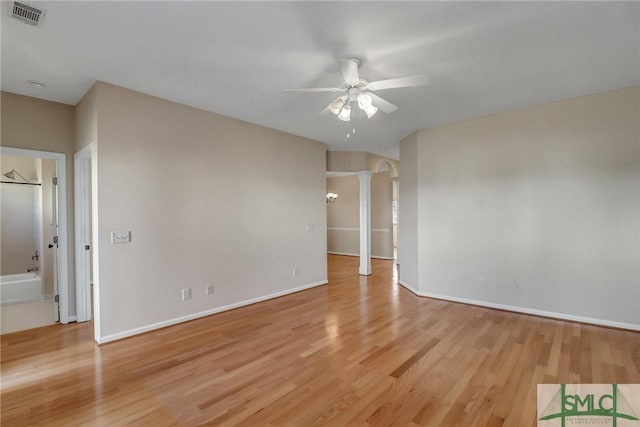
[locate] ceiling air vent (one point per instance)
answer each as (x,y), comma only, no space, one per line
(27,14)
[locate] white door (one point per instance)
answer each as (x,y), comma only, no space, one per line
(53,245)
(83,238)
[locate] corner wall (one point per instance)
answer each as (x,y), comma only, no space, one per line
(209,200)
(408,212)
(535,209)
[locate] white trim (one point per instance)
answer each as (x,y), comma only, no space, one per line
(95,244)
(352,254)
(188,317)
(63,235)
(81,164)
(409,287)
(379,230)
(73,319)
(340,174)
(525,310)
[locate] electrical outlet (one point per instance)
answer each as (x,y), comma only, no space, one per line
(310,228)
(210,289)
(296,271)
(186,294)
(483,282)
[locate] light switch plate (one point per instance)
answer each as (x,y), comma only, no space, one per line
(120,236)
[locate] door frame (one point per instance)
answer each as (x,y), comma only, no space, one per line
(85,195)
(62,258)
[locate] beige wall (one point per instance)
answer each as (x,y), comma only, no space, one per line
(208,200)
(356,161)
(20,212)
(381,226)
(535,208)
(86,120)
(343,216)
(26,166)
(346,161)
(34,124)
(408,226)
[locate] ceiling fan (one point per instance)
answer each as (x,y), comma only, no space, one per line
(360,91)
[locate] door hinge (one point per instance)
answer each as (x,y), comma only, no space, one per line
(55,239)
(87,247)
(55,180)
(56,298)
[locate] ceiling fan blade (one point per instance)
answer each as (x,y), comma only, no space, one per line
(315,89)
(350,71)
(409,81)
(381,103)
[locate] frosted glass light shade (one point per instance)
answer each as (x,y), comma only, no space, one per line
(364,100)
(370,111)
(345,113)
(336,105)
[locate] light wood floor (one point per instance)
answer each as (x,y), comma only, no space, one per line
(359,351)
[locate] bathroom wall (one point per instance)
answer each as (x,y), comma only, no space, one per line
(18,216)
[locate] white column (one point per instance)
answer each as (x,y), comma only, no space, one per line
(365,222)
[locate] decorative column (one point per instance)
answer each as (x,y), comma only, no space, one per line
(365,222)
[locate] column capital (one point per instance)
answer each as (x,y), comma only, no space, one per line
(364,173)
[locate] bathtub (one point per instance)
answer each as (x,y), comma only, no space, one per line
(23,287)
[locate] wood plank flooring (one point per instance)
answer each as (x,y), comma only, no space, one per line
(359,351)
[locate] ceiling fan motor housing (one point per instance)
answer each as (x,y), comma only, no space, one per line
(353,93)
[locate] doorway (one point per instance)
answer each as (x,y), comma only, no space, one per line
(34,276)
(86,239)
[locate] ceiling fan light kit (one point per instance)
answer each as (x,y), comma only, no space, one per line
(337,104)
(345,113)
(360,91)
(364,101)
(370,110)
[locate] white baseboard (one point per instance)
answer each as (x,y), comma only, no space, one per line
(524,310)
(375,230)
(351,254)
(72,319)
(188,317)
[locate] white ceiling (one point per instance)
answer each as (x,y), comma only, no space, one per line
(234,58)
